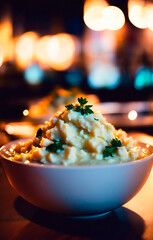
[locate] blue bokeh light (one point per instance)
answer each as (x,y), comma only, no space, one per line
(74,77)
(103,76)
(33,74)
(144,78)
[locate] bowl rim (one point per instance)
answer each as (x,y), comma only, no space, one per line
(5,147)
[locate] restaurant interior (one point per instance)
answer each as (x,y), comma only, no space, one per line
(51,52)
(101,48)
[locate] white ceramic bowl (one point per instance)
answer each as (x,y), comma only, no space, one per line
(76,190)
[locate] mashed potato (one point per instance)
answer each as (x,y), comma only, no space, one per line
(78,136)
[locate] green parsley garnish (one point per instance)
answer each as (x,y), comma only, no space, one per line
(82,101)
(54,147)
(82,107)
(69,107)
(116,142)
(109,150)
(96,119)
(39,133)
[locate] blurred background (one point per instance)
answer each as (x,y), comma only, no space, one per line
(53,50)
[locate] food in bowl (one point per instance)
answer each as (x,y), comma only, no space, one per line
(78,136)
(77,164)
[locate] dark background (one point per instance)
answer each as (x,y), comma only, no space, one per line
(40,15)
(51,17)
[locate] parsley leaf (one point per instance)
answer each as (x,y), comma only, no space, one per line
(88,110)
(69,106)
(82,101)
(116,142)
(109,150)
(96,119)
(54,147)
(39,133)
(82,107)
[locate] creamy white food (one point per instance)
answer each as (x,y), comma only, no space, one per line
(82,139)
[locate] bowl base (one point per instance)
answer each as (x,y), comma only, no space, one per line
(92,216)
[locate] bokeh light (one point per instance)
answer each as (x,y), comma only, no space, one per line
(41,51)
(149,16)
(132,115)
(137,13)
(74,77)
(6,40)
(1,55)
(25,49)
(93,14)
(144,78)
(25,112)
(33,74)
(60,51)
(103,76)
(113,18)
(6,29)
(9,129)
(22,129)
(99,16)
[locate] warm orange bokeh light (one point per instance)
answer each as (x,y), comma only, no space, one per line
(93,14)
(25,112)
(22,129)
(41,51)
(149,16)
(60,51)
(25,49)
(113,18)
(6,40)
(1,56)
(132,115)
(8,49)
(141,13)
(99,16)
(137,13)
(6,30)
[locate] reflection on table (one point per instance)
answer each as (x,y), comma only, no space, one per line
(21,220)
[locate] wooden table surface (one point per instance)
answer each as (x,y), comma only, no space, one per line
(20,220)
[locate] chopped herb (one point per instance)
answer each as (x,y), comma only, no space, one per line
(82,101)
(82,107)
(54,147)
(39,133)
(69,107)
(96,119)
(116,142)
(109,150)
